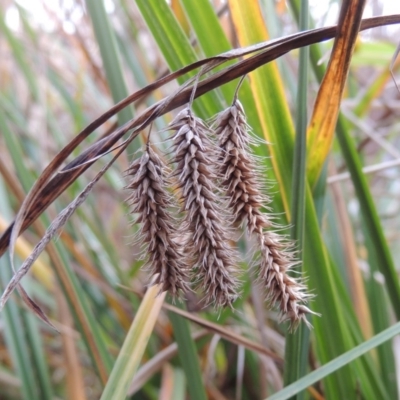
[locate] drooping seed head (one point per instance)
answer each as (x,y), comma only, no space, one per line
(152,205)
(214,259)
(242,183)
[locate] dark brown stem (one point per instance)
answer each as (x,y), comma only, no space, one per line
(47,190)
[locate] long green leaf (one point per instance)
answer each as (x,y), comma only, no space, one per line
(110,56)
(297,344)
(175,47)
(379,304)
(318,68)
(336,364)
(16,341)
(17,336)
(188,356)
(20,57)
(214,41)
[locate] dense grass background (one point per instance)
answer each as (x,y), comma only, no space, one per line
(62,65)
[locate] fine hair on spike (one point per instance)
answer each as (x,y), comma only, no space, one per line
(152,204)
(242,184)
(208,231)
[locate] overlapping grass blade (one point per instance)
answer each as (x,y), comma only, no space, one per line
(363,192)
(20,57)
(316,264)
(134,346)
(337,363)
(214,41)
(110,56)
(74,293)
(175,47)
(188,356)
(297,344)
(16,341)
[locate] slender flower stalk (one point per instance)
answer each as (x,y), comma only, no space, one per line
(151,203)
(243,187)
(214,259)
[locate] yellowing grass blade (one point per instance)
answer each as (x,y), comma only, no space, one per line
(134,345)
(326,108)
(180,15)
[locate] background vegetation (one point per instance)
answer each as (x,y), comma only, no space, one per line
(63,64)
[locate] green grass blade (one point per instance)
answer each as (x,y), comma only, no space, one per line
(20,57)
(74,107)
(38,356)
(214,41)
(315,52)
(179,385)
(332,336)
(379,304)
(297,344)
(16,341)
(336,364)
(188,355)
(15,334)
(315,55)
(134,346)
(110,56)
(175,47)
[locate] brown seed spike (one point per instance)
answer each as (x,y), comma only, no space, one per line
(243,187)
(151,202)
(213,257)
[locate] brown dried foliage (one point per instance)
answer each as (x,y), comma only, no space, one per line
(207,245)
(152,204)
(242,183)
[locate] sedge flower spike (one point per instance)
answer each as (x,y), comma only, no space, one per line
(242,183)
(151,203)
(214,259)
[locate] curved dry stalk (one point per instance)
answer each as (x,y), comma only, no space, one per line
(227,334)
(47,189)
(151,202)
(51,231)
(207,243)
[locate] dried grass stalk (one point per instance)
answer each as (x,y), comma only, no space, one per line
(152,204)
(242,183)
(213,258)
